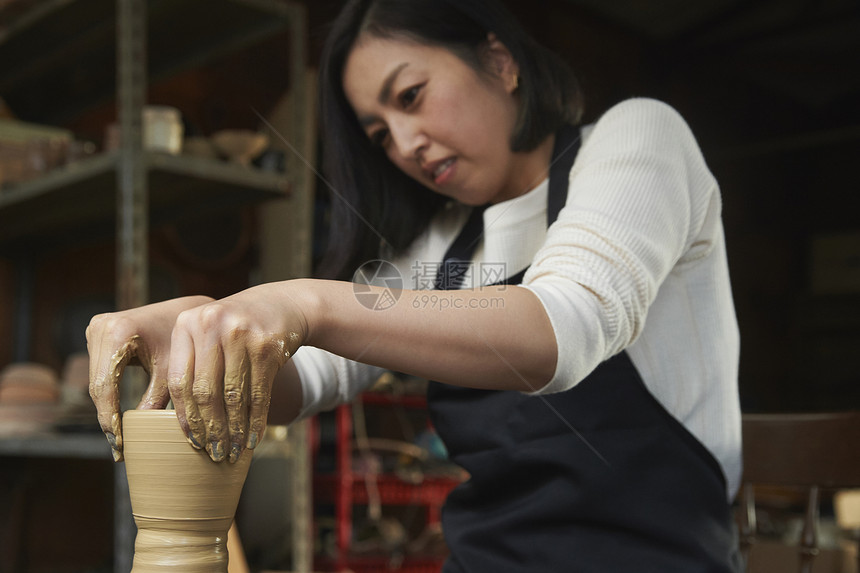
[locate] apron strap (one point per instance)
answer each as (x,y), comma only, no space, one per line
(458,258)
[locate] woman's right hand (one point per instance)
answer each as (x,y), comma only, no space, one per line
(118,338)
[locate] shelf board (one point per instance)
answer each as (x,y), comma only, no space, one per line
(69,47)
(80,198)
(86,446)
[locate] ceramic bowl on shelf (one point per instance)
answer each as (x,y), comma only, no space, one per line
(31,371)
(76,372)
(74,390)
(28,382)
(240,146)
(18,420)
(29,394)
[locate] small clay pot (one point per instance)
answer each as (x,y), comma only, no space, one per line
(76,372)
(240,146)
(26,419)
(28,373)
(28,395)
(183,503)
(28,382)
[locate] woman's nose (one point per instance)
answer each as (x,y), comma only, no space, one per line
(409,139)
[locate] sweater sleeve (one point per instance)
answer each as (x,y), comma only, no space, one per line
(329,380)
(638,197)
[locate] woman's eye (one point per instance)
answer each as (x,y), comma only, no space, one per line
(379,137)
(409,96)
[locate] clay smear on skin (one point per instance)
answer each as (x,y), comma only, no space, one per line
(282,346)
(262,394)
(236,391)
(111,383)
(213,420)
(183,503)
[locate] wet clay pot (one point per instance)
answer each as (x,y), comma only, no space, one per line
(183,502)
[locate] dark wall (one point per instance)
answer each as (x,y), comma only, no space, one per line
(771,91)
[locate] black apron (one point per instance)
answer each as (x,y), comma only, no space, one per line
(599,478)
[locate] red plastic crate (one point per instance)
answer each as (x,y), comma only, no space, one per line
(392,490)
(370,564)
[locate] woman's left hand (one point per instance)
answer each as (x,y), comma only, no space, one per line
(223,358)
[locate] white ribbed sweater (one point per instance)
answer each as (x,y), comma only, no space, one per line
(635,261)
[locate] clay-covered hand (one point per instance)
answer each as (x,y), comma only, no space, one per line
(140,335)
(223,358)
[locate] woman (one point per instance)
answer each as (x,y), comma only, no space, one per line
(596,440)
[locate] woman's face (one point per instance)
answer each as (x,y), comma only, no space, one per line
(437,118)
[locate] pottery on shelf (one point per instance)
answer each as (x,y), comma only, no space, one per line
(77,411)
(76,372)
(27,419)
(182,502)
(240,146)
(28,383)
(29,393)
(162,129)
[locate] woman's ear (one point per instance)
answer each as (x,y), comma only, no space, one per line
(500,62)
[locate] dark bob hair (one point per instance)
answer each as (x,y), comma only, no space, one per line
(376,208)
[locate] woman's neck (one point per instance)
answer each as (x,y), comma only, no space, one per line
(529,169)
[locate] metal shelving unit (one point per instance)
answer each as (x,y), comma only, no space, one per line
(67,47)
(79,200)
(61,57)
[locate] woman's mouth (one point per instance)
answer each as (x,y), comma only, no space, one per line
(443,171)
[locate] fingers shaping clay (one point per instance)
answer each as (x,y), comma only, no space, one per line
(183,503)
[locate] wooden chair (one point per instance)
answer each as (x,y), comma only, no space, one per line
(812,452)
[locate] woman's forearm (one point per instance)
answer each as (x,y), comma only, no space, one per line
(491,338)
